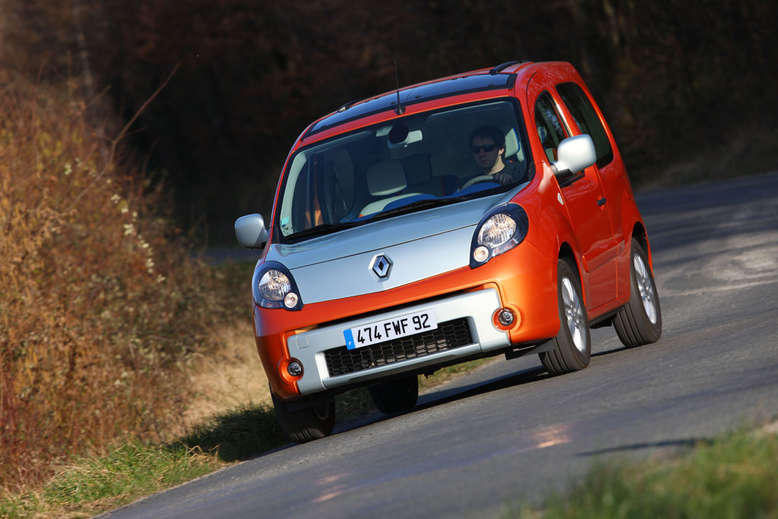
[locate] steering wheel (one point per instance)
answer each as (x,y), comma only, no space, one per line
(479,178)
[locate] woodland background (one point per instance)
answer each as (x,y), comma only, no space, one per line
(685,84)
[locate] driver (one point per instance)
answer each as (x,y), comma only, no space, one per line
(488,146)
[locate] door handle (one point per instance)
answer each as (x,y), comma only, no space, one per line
(601,201)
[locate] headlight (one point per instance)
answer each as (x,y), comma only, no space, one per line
(499,231)
(274,287)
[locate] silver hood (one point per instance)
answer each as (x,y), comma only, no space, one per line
(419,245)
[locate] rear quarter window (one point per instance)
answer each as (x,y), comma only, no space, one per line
(586,118)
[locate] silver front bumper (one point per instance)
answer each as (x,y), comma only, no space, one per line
(477,307)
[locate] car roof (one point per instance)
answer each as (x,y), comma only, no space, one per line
(500,77)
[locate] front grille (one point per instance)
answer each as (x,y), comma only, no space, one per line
(448,335)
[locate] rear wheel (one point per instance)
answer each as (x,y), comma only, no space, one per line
(572,345)
(306,419)
(395,396)
(639,321)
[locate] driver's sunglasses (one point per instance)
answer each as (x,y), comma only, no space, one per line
(490,147)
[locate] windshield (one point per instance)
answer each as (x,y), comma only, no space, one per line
(407,164)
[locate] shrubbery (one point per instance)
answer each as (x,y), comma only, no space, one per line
(100,303)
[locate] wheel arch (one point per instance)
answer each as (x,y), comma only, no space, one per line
(566,252)
(639,234)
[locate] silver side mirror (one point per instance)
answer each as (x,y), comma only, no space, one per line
(250,231)
(575,154)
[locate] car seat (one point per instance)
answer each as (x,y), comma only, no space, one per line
(385,179)
(513,151)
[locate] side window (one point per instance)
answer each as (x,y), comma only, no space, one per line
(586,118)
(548,125)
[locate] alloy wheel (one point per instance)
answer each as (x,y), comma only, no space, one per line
(645,287)
(574,314)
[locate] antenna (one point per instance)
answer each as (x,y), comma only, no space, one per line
(399,109)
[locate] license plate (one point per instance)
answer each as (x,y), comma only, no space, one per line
(388,329)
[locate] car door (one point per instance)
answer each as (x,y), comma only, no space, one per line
(580,111)
(583,197)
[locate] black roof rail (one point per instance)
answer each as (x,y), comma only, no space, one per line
(347,104)
(503,66)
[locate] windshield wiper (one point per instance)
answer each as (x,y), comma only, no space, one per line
(320,230)
(419,205)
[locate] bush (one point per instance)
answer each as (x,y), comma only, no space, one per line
(99,302)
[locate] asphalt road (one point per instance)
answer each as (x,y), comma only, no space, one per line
(508,433)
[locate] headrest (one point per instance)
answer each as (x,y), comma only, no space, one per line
(511,144)
(385,178)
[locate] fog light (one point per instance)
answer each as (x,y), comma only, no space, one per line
(290,300)
(294,368)
(480,254)
(506,317)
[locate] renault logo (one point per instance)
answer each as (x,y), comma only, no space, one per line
(381,265)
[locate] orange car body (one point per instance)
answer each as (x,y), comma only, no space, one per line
(590,218)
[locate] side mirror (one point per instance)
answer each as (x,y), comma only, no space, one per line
(575,154)
(250,231)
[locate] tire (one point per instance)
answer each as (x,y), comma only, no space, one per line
(395,396)
(305,420)
(572,346)
(639,321)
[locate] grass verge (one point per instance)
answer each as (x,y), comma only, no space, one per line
(94,484)
(733,476)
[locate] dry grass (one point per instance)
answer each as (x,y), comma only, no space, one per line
(99,304)
(229,378)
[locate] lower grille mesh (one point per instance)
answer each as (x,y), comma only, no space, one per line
(448,335)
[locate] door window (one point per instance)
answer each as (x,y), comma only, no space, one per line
(586,118)
(549,126)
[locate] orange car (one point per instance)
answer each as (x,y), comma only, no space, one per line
(479,214)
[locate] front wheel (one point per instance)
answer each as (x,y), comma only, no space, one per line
(639,321)
(305,420)
(572,346)
(395,396)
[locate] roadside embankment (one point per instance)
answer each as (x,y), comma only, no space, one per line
(101,310)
